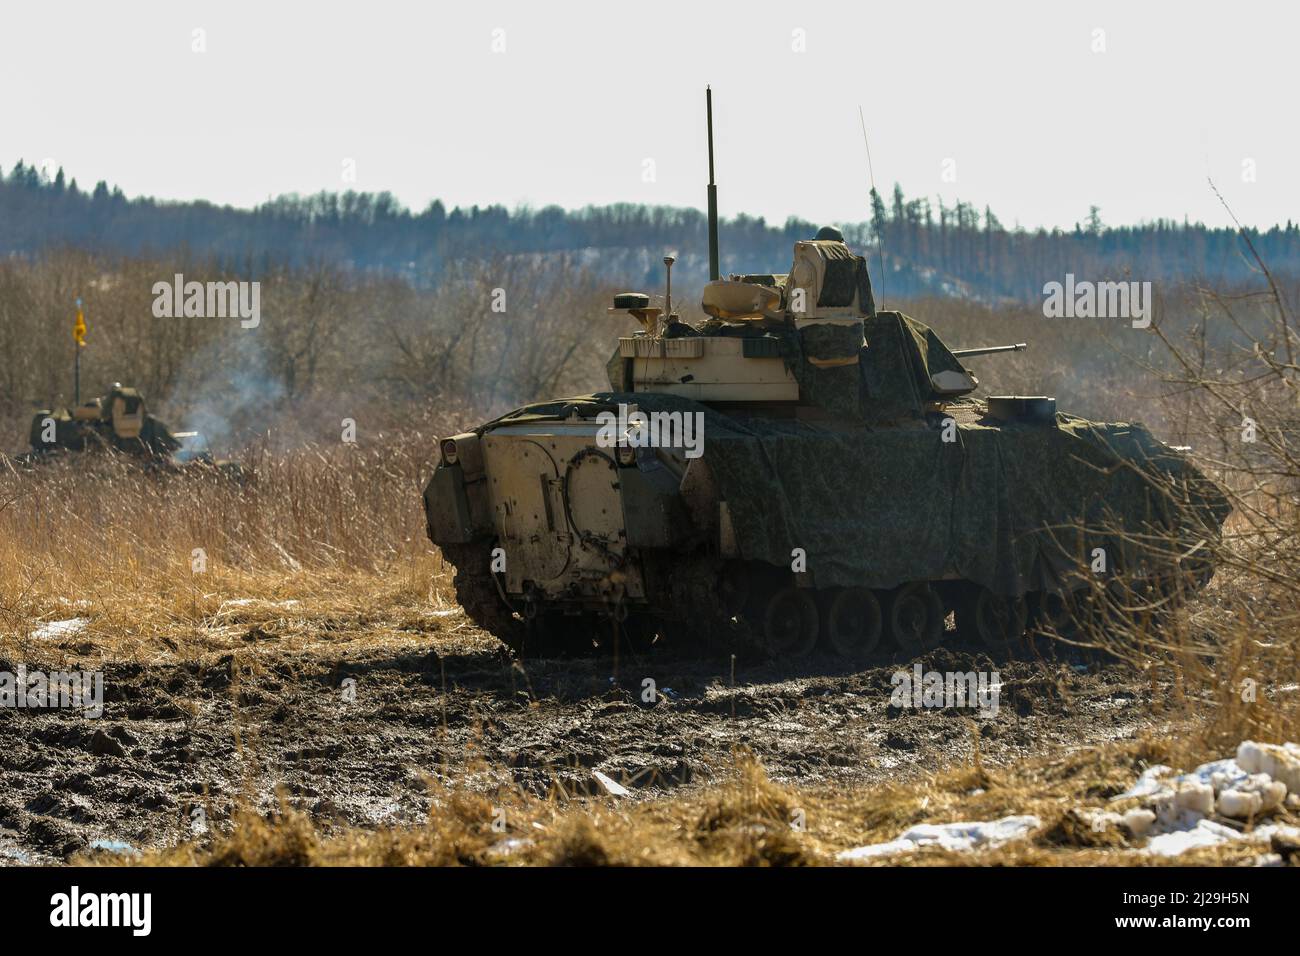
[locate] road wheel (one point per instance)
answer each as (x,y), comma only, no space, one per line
(915,617)
(854,623)
(1000,621)
(789,625)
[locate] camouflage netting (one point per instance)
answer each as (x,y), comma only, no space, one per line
(846,274)
(1014,507)
(880,498)
(900,357)
(890,384)
(835,387)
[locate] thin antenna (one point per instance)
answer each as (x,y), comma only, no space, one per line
(713,193)
(668,294)
(880,239)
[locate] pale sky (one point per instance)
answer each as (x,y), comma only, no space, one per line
(1009,97)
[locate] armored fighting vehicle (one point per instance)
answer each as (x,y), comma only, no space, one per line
(803,468)
(120,422)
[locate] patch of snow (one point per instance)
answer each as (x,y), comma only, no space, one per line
(950,836)
(1180,801)
(1279,762)
(1148,783)
(12,854)
(66,628)
(1137,821)
(1239,804)
(1258,793)
(612,787)
(1217,774)
(1190,796)
(115,846)
(1209,833)
(1254,783)
(510,845)
(1204,833)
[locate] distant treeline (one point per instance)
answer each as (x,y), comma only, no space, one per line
(926,247)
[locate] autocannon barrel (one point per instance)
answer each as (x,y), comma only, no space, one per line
(988,350)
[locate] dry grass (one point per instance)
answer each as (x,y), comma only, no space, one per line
(181,566)
(747,821)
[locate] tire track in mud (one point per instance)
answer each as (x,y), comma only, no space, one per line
(354,737)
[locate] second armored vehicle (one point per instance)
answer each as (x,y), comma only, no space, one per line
(119,421)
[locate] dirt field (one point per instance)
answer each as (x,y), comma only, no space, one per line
(352,724)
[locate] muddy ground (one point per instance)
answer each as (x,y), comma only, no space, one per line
(355,735)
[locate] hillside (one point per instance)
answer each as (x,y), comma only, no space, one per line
(925,247)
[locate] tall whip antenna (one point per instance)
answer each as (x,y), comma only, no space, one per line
(713,193)
(871,174)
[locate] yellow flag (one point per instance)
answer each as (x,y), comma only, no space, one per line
(79,330)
